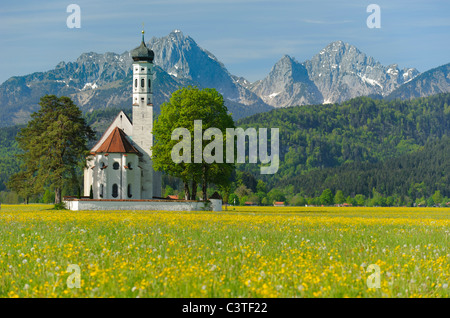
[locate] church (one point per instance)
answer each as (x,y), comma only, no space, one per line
(119,172)
(120,164)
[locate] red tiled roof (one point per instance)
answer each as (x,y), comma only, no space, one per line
(117,142)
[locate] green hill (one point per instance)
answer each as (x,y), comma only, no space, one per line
(9,164)
(347,146)
(417,174)
(361,130)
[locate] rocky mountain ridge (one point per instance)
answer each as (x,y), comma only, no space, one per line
(97,81)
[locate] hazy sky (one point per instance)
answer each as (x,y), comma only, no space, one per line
(248,36)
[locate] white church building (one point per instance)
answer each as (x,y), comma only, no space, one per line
(119,173)
(120,165)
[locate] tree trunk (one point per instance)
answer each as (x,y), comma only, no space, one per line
(57,195)
(204,182)
(194,190)
(186,191)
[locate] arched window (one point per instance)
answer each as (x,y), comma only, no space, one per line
(101,191)
(115,190)
(149,84)
(116,166)
(102,165)
(129,165)
(142,82)
(135,82)
(129,191)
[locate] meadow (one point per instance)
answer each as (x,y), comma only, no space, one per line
(242,252)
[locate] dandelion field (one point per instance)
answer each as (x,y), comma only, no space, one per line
(242,252)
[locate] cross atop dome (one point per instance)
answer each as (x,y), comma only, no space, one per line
(142,52)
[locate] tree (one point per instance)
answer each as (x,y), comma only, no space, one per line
(276,195)
(54,146)
(360,199)
(437,197)
(247,179)
(261,186)
(242,190)
(48,197)
(225,189)
(23,184)
(233,199)
(179,115)
(297,200)
(339,197)
(168,191)
(326,198)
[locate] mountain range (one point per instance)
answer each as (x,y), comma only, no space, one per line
(337,73)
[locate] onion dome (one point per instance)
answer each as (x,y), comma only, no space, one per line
(142,52)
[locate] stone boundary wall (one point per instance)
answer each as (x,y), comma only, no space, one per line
(148,205)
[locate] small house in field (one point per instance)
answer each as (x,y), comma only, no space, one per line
(344,204)
(249,203)
(278,203)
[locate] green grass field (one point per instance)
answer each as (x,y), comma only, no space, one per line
(246,252)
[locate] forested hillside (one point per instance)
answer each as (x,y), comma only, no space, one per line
(359,130)
(395,147)
(418,174)
(9,164)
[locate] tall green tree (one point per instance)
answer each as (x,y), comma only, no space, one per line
(326,198)
(54,145)
(339,197)
(187,105)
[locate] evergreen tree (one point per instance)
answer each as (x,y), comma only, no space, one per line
(54,145)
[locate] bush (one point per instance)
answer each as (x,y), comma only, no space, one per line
(60,206)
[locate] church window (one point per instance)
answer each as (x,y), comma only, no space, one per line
(101,191)
(102,165)
(116,166)
(115,190)
(129,191)
(142,82)
(149,84)
(135,82)
(129,166)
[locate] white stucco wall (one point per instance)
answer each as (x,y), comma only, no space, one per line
(147,205)
(109,176)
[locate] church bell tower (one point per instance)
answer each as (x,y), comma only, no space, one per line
(143,117)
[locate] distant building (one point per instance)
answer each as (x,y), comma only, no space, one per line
(278,203)
(344,204)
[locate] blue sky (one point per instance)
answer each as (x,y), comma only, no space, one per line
(248,36)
